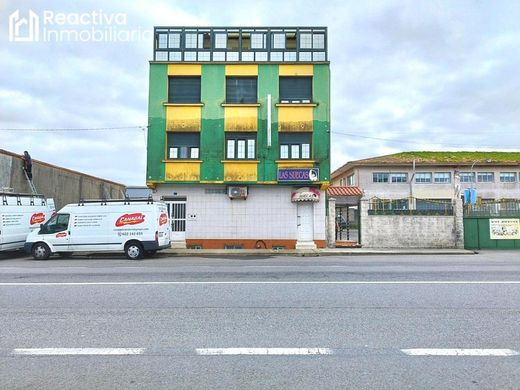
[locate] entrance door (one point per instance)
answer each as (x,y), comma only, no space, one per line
(305,221)
(177,215)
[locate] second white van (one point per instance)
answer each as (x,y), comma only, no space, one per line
(19,215)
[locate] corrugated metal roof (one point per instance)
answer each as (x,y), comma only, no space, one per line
(345,191)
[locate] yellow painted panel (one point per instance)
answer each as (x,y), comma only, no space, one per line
(240,118)
(295,164)
(242,70)
(296,70)
(182,171)
(240,171)
(183,118)
(184,70)
(295,118)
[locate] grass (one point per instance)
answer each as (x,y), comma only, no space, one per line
(491,157)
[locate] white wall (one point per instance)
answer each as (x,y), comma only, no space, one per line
(267,213)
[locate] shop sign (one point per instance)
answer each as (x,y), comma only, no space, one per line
(504,229)
(298,174)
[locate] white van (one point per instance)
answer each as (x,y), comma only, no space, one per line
(138,227)
(19,215)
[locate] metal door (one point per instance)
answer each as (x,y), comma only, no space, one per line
(177,215)
(305,222)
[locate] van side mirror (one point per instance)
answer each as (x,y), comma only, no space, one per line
(42,229)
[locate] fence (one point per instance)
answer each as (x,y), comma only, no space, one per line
(482,219)
(499,208)
(410,206)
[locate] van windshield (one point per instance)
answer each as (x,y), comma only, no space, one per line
(57,223)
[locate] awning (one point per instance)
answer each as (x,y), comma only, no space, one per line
(344,191)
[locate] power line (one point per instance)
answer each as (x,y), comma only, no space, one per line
(143,127)
(71,129)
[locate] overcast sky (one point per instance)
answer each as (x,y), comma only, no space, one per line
(406,75)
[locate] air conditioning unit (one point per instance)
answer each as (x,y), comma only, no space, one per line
(237,192)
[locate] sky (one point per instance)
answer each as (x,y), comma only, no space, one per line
(405,75)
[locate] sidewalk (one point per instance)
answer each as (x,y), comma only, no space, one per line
(313,253)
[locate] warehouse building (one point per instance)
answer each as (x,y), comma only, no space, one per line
(62,184)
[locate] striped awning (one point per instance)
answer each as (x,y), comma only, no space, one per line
(344,191)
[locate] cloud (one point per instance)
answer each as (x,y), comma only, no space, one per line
(408,75)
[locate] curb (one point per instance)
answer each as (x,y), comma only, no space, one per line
(308,253)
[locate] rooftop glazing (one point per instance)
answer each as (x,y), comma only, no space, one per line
(240,44)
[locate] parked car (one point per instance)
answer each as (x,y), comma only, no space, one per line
(135,227)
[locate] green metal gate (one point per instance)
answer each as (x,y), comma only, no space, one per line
(505,218)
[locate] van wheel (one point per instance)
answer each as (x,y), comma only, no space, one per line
(134,251)
(41,251)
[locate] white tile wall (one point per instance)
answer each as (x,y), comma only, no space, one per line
(267,213)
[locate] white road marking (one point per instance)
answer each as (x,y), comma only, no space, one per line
(264,351)
(338,282)
(77,351)
(459,352)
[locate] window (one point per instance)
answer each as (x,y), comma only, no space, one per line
(378,177)
(467,177)
(57,223)
(312,41)
(220,41)
(174,41)
(399,177)
(184,90)
(318,41)
(296,88)
(278,41)
(162,40)
(485,177)
(290,41)
(191,41)
(241,90)
(240,146)
(423,177)
(442,177)
(508,177)
(183,146)
(306,41)
(232,41)
(246,41)
(350,180)
(257,41)
(295,146)
(206,41)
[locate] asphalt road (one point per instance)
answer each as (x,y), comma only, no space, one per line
(355,322)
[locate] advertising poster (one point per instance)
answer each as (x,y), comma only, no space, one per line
(504,229)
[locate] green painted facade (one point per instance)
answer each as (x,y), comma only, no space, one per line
(212,137)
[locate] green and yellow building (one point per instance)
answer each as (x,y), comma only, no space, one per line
(239,135)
